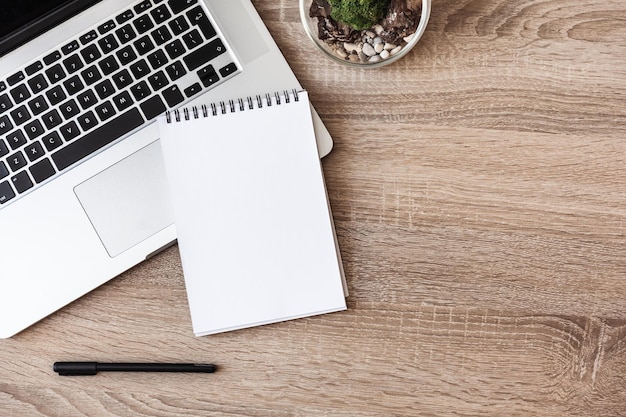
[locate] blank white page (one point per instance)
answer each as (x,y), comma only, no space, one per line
(254,228)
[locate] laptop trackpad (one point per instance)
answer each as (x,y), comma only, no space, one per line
(128,202)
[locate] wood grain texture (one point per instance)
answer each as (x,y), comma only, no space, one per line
(478,190)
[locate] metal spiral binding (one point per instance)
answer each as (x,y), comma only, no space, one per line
(232,106)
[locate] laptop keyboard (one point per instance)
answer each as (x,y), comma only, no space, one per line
(105,83)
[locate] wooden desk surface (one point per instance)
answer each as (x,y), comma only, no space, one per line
(479,192)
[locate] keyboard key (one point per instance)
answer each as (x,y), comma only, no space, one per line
(16,78)
(55,95)
(143,6)
(34,129)
(20,115)
(55,73)
(69,109)
(3,148)
(208,76)
(105,111)
(109,65)
(209,70)
(228,69)
(3,170)
(88,37)
(173,96)
(52,57)
(73,63)
(16,139)
(38,105)
(34,151)
(124,17)
(140,69)
(104,89)
(160,14)
(3,86)
(38,83)
(122,79)
(42,170)
(198,18)
(5,125)
(97,139)
(91,75)
(90,53)
(143,24)
(125,34)
(69,131)
(5,102)
(6,192)
(152,107)
(52,141)
(87,120)
(175,49)
(204,54)
(179,25)
(158,80)
(34,67)
(87,99)
(21,181)
(157,59)
(193,89)
(123,100)
(178,6)
(193,39)
(73,85)
(52,119)
(106,26)
(20,93)
(144,45)
(126,55)
(161,35)
(140,90)
(16,161)
(70,47)
(175,70)
(108,43)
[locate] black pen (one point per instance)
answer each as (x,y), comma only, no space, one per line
(92,368)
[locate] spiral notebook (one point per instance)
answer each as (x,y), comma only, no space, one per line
(254,226)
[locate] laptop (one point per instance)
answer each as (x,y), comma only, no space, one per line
(83,194)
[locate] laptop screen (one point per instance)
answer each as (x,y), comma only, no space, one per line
(22,20)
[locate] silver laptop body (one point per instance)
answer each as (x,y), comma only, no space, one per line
(97,217)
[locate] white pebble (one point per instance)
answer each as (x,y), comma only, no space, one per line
(378,29)
(374,58)
(378,47)
(407,39)
(389,46)
(349,47)
(378,40)
(341,52)
(396,50)
(368,49)
(384,54)
(370,34)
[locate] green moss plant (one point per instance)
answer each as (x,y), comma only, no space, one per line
(358,14)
